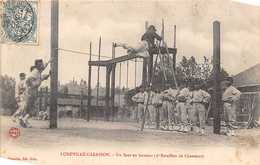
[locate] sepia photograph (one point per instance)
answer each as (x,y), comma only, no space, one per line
(129,82)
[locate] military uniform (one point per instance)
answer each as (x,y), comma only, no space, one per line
(191,112)
(230,96)
(182,108)
(21,98)
(200,98)
(139,99)
(169,104)
(157,103)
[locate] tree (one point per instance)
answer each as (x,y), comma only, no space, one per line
(188,70)
(8,93)
(117,90)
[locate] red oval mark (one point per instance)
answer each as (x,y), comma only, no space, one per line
(14,133)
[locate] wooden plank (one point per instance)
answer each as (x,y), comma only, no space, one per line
(54,66)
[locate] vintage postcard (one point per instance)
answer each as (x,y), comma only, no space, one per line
(130,82)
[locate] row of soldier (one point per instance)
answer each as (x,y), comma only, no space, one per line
(184,106)
(27,91)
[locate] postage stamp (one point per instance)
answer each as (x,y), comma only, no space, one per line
(20,21)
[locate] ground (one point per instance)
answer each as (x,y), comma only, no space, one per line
(48,146)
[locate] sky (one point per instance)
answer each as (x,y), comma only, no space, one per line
(83,22)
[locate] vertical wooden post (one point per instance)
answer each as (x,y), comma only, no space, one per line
(144,78)
(81,105)
(150,66)
(135,71)
(89,84)
(106,111)
(113,85)
(54,66)
(40,101)
(162,34)
(127,69)
(99,51)
(216,102)
(46,99)
(119,84)
(174,54)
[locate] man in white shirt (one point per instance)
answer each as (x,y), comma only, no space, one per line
(134,98)
(169,105)
(157,103)
(33,82)
(182,107)
(230,96)
(20,95)
(199,99)
(139,99)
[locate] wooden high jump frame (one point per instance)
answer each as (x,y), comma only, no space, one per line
(110,68)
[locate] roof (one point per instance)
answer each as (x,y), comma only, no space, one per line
(249,77)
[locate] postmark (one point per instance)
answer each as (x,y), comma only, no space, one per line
(19,22)
(14,133)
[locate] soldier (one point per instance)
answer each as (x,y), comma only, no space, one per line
(191,112)
(33,82)
(147,44)
(169,105)
(199,99)
(136,104)
(182,107)
(20,96)
(157,103)
(230,96)
(150,106)
(139,99)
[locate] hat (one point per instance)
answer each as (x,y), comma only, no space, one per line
(229,79)
(151,27)
(36,62)
(22,74)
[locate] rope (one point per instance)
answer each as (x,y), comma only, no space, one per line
(87,54)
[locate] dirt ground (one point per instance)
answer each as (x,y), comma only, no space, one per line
(118,141)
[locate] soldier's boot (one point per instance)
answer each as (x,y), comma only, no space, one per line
(25,120)
(180,129)
(196,129)
(202,131)
(228,132)
(185,129)
(232,132)
(21,121)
